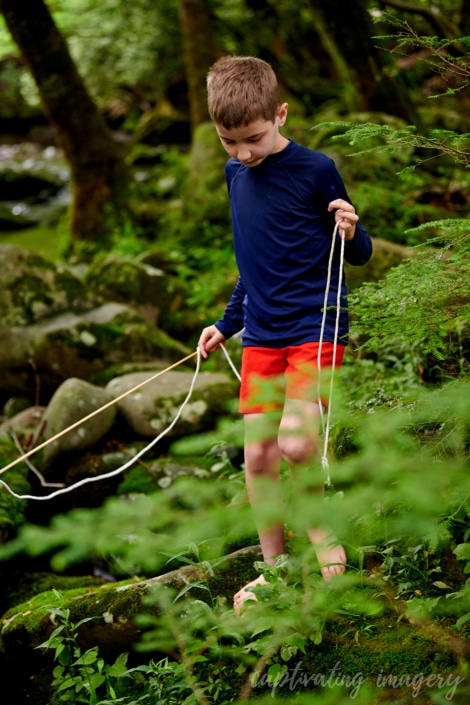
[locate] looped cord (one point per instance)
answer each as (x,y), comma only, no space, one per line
(126,465)
(325,424)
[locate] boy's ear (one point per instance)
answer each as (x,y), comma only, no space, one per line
(281,114)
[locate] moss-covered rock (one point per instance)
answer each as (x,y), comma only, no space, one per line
(32,288)
(53,326)
(114,606)
(161,473)
(148,289)
(12,509)
(151,408)
(74,400)
(79,345)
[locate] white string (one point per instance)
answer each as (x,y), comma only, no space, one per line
(326,424)
(126,465)
(40,477)
(230,362)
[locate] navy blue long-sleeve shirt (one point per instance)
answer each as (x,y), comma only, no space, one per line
(282,238)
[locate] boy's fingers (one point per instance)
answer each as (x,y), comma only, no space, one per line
(342,204)
(209,341)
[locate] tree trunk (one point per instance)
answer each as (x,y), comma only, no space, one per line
(464,25)
(199,55)
(98,171)
(347,21)
(351,89)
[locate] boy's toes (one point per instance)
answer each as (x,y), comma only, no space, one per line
(332,560)
(328,571)
(245,594)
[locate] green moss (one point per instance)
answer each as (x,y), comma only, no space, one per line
(84,601)
(17,587)
(43,241)
(12,510)
(146,479)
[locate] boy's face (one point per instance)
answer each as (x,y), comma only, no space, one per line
(252,143)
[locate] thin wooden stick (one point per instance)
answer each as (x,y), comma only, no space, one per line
(93,413)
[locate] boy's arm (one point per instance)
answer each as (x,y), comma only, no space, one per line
(231,322)
(358,250)
(330,189)
(357,243)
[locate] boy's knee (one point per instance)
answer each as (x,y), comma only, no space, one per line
(261,457)
(297,450)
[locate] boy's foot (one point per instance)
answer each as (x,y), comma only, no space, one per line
(330,554)
(245,593)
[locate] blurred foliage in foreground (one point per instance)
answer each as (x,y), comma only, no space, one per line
(401,505)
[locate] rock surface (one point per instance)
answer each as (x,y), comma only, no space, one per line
(151,409)
(74,400)
(148,289)
(54,326)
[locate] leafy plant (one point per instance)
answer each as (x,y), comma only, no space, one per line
(82,677)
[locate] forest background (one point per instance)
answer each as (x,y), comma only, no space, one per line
(383,87)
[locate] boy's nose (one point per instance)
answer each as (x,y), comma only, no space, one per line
(243,154)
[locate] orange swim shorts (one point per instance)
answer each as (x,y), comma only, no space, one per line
(270,375)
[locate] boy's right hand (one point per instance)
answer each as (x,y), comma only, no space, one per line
(210,339)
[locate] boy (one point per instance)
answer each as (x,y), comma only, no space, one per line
(285,200)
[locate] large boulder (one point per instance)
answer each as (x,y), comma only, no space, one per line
(82,345)
(73,401)
(53,327)
(151,408)
(32,288)
(148,289)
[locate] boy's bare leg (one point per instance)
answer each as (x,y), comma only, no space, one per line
(262,467)
(330,554)
(298,441)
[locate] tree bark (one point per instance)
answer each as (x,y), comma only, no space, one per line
(98,171)
(199,55)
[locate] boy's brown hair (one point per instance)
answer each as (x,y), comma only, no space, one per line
(241,90)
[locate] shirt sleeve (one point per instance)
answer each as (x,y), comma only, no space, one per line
(358,250)
(330,186)
(233,319)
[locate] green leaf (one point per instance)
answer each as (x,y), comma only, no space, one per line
(196,584)
(96,680)
(83,621)
(88,657)
(463,620)
(462,551)
(442,585)
(276,671)
(68,683)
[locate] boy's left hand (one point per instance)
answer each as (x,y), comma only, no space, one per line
(345,216)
